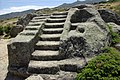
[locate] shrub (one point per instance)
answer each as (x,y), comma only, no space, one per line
(7,29)
(1,30)
(106,66)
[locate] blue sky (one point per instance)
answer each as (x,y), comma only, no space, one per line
(7,6)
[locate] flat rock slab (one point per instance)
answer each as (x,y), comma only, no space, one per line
(45,55)
(43,67)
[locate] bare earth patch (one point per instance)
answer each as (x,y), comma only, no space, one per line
(3,58)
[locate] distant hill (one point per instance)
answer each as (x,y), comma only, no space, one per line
(65,5)
(15,14)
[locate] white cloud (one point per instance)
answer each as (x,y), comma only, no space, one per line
(22,8)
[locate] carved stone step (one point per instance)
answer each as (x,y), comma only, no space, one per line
(34,23)
(32,27)
(37,20)
(52,30)
(45,55)
(40,17)
(72,65)
(74,26)
(43,67)
(29,32)
(60,13)
(47,45)
(54,25)
(43,15)
(56,20)
(50,37)
(58,16)
(50,67)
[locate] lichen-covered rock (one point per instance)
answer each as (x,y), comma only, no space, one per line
(89,37)
(86,40)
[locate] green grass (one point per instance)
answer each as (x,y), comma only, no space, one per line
(106,66)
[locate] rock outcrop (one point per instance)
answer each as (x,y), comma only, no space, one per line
(86,36)
(56,47)
(21,23)
(109,16)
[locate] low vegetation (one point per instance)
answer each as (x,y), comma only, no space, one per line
(106,66)
(5,30)
(117,9)
(114,6)
(6,25)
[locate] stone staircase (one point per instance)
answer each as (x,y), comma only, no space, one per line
(57,46)
(46,59)
(46,50)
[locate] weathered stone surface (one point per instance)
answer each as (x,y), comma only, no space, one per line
(89,36)
(67,24)
(45,55)
(109,16)
(15,30)
(54,66)
(43,67)
(115,27)
(84,41)
(24,20)
(19,52)
(47,45)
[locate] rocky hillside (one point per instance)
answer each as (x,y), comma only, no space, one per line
(65,5)
(15,14)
